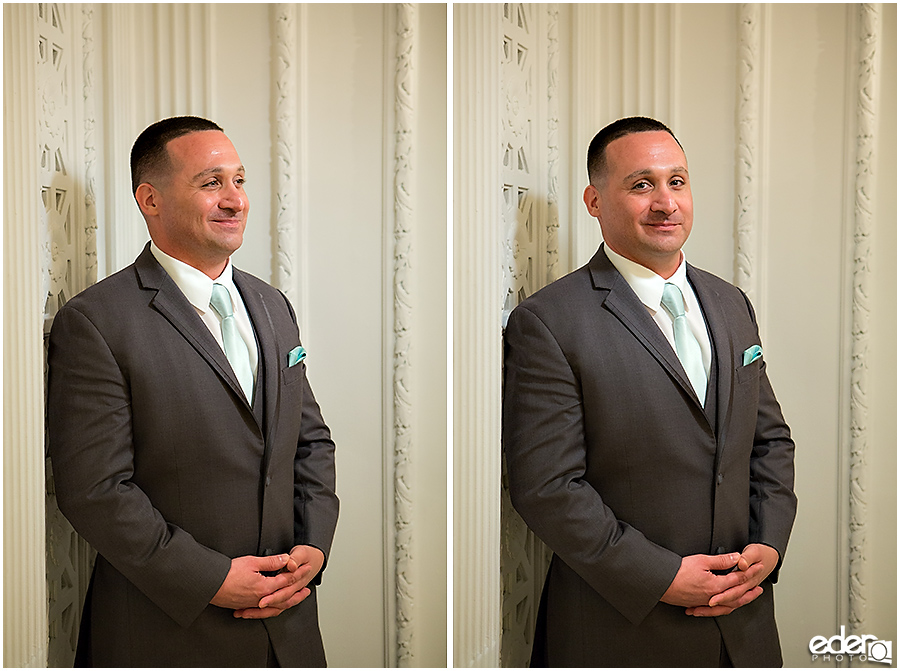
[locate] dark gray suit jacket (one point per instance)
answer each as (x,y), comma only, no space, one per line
(617,467)
(163,466)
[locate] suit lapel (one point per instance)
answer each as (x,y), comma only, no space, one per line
(628,308)
(270,356)
(720,333)
(172,304)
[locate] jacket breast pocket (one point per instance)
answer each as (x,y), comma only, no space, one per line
(292,374)
(749,372)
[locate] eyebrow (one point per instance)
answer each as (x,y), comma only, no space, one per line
(213,171)
(643,172)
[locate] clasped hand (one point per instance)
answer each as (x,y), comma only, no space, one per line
(706,594)
(253,595)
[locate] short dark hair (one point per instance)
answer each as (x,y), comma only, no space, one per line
(149,154)
(596,155)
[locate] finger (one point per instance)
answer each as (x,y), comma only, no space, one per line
(722,562)
(299,579)
(706,611)
(269,606)
(269,563)
(257,613)
(737,597)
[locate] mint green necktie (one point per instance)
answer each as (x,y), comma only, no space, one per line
(686,345)
(235,347)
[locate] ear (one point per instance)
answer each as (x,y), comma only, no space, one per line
(147,198)
(592,200)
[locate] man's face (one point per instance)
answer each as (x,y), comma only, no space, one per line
(201,205)
(644,201)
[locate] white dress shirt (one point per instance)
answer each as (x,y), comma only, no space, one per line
(197,288)
(649,288)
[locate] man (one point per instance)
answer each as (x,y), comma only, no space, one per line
(186,444)
(649,454)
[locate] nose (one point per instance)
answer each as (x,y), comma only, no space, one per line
(232,197)
(663,200)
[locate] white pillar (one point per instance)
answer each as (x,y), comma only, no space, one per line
(24,581)
(477,353)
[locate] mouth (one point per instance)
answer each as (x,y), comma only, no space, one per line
(663,225)
(230,221)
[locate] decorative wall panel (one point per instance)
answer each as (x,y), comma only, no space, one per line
(64,80)
(529,169)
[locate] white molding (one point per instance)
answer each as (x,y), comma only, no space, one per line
(290,165)
(24,581)
(284,165)
(90,144)
(477,346)
(749,150)
(404,199)
(867,99)
(553,270)
(751,216)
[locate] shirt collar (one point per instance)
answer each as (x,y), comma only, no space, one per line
(194,284)
(644,282)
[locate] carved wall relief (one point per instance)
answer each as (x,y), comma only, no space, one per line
(528,147)
(63,44)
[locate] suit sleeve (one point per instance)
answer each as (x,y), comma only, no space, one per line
(316,503)
(92,454)
(773,504)
(545,448)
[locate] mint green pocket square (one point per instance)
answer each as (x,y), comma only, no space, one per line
(295,356)
(751,354)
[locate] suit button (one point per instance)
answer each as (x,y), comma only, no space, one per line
(268,481)
(720,478)
(720,550)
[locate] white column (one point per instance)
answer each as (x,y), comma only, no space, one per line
(24,575)
(477,352)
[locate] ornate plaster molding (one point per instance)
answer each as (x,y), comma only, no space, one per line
(406,24)
(90,145)
(284,62)
(748,146)
(866,127)
(553,270)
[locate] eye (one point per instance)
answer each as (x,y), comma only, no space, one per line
(211,183)
(643,185)
(240,181)
(677,182)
